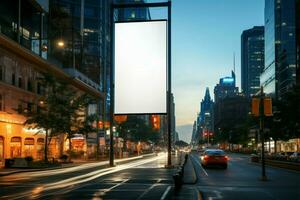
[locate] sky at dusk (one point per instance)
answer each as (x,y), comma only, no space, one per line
(205,35)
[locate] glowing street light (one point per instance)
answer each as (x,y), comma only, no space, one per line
(60,43)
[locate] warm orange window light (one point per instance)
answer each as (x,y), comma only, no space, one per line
(100,124)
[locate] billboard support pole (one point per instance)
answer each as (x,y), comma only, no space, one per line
(169,164)
(112,88)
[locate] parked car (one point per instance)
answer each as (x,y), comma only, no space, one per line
(295,157)
(214,157)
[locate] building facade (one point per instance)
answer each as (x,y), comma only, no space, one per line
(231,107)
(206,113)
(252,59)
(226,88)
(279,73)
(26,53)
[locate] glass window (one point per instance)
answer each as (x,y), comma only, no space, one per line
(1,103)
(1,151)
(13,79)
(40,148)
(15,147)
(28,146)
(1,72)
(20,82)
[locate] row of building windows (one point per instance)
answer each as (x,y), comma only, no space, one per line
(28,84)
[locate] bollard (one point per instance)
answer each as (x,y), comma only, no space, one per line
(185,158)
(177,181)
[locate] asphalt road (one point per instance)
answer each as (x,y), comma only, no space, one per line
(241,181)
(144,178)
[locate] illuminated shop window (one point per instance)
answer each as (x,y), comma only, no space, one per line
(15,147)
(28,146)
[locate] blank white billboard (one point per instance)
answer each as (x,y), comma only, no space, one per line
(140,67)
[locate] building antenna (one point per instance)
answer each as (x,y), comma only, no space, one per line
(234,62)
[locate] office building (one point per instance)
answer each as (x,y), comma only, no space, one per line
(231,107)
(252,59)
(279,73)
(226,88)
(26,53)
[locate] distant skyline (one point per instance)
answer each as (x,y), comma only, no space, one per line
(205,35)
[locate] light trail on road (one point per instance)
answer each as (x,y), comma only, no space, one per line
(69,169)
(78,181)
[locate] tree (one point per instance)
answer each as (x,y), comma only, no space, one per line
(135,129)
(70,107)
(61,110)
(44,116)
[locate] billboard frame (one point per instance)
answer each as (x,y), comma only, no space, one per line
(166,4)
(167,64)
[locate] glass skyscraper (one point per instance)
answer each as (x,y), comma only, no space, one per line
(279,72)
(252,59)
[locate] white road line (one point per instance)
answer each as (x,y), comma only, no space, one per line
(163,197)
(200,166)
(149,189)
(117,185)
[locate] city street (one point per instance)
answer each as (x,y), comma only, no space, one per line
(144,178)
(242,181)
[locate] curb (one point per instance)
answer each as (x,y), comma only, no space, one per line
(193,172)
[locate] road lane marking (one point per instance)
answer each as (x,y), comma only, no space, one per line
(200,165)
(150,188)
(163,197)
(117,185)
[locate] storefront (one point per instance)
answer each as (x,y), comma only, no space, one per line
(1,151)
(29,147)
(15,147)
(40,146)
(17,141)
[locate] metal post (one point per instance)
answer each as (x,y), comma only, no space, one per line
(111,115)
(97,130)
(262,135)
(169,85)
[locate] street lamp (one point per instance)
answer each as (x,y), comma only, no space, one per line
(60,43)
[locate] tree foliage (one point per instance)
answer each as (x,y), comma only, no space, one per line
(60,110)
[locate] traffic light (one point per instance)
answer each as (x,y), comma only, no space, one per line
(268,107)
(255,107)
(155,121)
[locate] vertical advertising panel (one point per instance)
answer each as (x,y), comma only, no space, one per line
(140,67)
